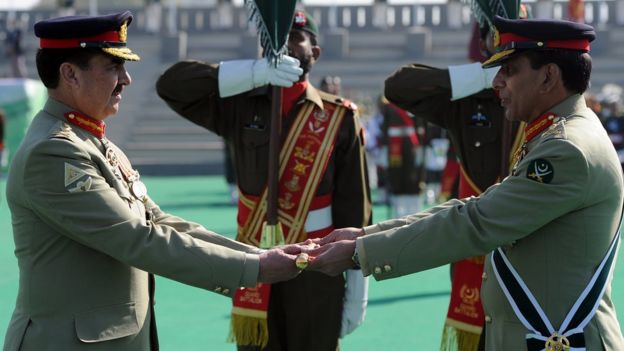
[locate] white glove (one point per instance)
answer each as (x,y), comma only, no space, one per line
(238,76)
(355,301)
(470,79)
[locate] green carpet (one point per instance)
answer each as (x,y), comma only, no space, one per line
(403,314)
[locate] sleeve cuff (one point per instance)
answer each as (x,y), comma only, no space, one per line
(359,247)
(251,270)
(371,229)
(235,77)
(470,79)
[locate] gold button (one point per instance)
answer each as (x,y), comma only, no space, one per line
(377,270)
(387,268)
(484,276)
(226,291)
(488,319)
(217,289)
(71,115)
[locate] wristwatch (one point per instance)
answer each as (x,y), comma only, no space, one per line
(356,259)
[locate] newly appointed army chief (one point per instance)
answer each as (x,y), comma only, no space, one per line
(87,236)
(550,228)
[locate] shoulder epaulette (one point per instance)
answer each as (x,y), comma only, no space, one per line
(334,99)
(348,104)
(61,130)
(345,103)
(556,130)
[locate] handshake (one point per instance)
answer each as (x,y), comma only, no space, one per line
(331,255)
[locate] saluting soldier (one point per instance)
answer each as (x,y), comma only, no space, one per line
(461,100)
(88,238)
(322,183)
(550,230)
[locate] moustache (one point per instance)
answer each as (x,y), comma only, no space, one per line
(118,89)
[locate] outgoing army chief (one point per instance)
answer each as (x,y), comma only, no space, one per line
(87,235)
(550,228)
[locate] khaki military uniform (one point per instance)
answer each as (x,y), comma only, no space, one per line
(86,246)
(555,228)
(304,313)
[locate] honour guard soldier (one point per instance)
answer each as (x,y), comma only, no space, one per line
(88,238)
(322,183)
(549,230)
(405,156)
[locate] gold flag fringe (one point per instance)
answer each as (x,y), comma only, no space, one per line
(454,339)
(245,330)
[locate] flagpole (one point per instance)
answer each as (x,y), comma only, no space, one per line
(274,147)
(275,139)
(273,20)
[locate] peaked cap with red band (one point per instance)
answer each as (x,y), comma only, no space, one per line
(108,33)
(513,36)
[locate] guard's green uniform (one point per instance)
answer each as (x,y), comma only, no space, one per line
(85,244)
(474,123)
(312,299)
(555,232)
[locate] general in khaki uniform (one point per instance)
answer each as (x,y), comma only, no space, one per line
(550,228)
(87,236)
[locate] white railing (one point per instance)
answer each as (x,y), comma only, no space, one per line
(450,15)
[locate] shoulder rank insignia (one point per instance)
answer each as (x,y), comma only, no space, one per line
(72,173)
(540,171)
(556,130)
(64,132)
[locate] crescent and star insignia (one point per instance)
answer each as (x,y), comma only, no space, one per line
(540,171)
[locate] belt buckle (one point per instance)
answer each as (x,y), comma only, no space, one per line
(557,342)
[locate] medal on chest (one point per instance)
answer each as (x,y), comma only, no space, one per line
(557,342)
(121,170)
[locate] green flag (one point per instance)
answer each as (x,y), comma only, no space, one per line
(485,10)
(273,19)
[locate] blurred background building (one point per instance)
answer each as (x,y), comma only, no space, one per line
(363,42)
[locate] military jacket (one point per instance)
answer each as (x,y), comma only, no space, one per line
(191,89)
(85,244)
(555,217)
(475,123)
